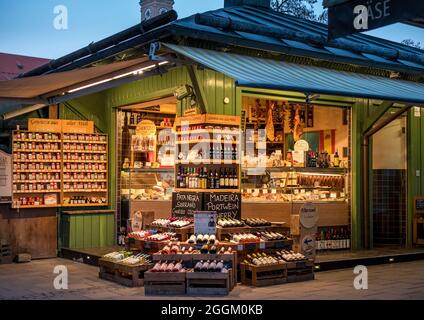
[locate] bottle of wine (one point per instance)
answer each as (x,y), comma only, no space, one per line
(221,180)
(336,161)
(179,178)
(236,180)
(226,179)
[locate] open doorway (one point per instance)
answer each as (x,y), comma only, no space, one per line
(389,176)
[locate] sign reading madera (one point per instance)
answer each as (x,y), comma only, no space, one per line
(186,204)
(225,204)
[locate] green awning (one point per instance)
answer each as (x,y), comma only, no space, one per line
(255,72)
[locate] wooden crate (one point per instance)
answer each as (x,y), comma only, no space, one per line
(130,276)
(164,283)
(208,283)
(300,271)
(258,276)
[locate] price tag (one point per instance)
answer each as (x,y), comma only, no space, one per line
(240,247)
(323,196)
(262,245)
(296,191)
(265,191)
(302,191)
(274,191)
(342,195)
(249,191)
(333,195)
(256,192)
(316,191)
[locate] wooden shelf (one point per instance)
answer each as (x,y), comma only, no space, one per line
(85,205)
(35,181)
(37,171)
(207,141)
(198,131)
(84,190)
(83,151)
(210,162)
(84,142)
(207,190)
(36,207)
(85,161)
(42,141)
(83,170)
(37,151)
(38,161)
(37,191)
(70,180)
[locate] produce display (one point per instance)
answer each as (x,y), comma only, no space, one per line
(271,236)
(245,238)
(210,266)
(169,267)
(255,222)
(229,223)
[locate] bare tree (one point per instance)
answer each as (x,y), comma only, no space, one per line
(300,8)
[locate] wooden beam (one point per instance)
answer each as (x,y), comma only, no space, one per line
(198,88)
(375,113)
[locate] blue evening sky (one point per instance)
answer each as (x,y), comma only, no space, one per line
(26,26)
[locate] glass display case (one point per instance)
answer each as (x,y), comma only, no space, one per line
(292,184)
(147,184)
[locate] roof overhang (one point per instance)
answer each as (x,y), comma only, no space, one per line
(255,72)
(347,17)
(59,87)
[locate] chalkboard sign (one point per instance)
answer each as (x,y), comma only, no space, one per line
(185,204)
(419,205)
(225,204)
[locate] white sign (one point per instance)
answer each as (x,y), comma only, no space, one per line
(205,222)
(308,245)
(137,222)
(301,145)
(5,177)
(309,215)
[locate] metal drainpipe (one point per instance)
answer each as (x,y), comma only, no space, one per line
(366,168)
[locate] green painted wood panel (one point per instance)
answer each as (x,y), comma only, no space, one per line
(79,236)
(102,231)
(87,240)
(95,231)
(72,232)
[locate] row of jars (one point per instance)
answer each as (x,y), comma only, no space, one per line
(36,176)
(36,166)
(84,157)
(84,137)
(84,186)
(83,147)
(84,176)
(85,166)
(29,201)
(36,156)
(36,136)
(36,186)
(53,146)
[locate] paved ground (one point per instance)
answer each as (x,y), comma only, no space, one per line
(35,281)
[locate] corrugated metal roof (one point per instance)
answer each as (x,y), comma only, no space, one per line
(265,73)
(268,17)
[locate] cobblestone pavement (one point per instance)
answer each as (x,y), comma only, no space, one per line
(35,281)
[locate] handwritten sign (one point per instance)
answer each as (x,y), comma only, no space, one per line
(5,177)
(186,204)
(77,126)
(225,204)
(44,125)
